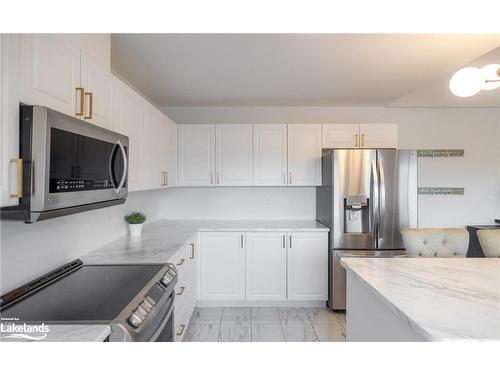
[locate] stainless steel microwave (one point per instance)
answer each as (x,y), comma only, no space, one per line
(67,166)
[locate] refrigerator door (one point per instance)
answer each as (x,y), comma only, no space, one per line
(397,170)
(354,199)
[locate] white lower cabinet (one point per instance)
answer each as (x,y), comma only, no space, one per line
(263,266)
(307,258)
(222,266)
(266,266)
(186,288)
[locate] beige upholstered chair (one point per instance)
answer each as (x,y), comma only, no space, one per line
(490,242)
(441,243)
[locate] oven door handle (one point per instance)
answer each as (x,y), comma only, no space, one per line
(118,145)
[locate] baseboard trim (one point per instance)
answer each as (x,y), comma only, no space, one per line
(210,303)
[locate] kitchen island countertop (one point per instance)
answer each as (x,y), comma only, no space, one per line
(441,298)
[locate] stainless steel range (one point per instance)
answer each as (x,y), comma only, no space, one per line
(137,301)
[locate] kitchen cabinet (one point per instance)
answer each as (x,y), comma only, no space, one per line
(128,119)
(97,83)
(379,135)
(304,155)
(196,155)
(266,266)
(340,135)
(57,74)
(307,266)
(155,154)
(9,119)
(222,266)
(234,155)
(50,73)
(360,136)
(170,149)
(270,155)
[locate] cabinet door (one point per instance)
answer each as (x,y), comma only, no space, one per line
(234,161)
(266,266)
(379,135)
(50,73)
(154,145)
(128,119)
(304,155)
(222,266)
(308,266)
(170,148)
(9,118)
(97,84)
(196,155)
(340,135)
(270,155)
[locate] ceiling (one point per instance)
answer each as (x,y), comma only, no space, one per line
(293,69)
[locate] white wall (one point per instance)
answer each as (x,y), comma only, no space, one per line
(293,203)
(476,130)
(30,250)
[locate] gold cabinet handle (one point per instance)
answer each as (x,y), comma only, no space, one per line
(181,290)
(362,139)
(91,105)
(183,326)
(181,261)
(192,251)
(19,192)
(356,139)
(82,101)
(164,178)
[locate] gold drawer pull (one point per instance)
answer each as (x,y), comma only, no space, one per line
(91,106)
(181,261)
(19,192)
(183,326)
(182,288)
(362,139)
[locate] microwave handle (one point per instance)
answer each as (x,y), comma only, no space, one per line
(125,166)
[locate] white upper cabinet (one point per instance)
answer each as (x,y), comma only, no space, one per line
(50,73)
(222,266)
(378,135)
(155,155)
(9,120)
(270,155)
(340,135)
(97,83)
(307,266)
(234,150)
(169,150)
(128,119)
(266,266)
(304,155)
(196,155)
(360,136)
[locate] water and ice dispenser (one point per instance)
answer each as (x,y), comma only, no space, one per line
(356,214)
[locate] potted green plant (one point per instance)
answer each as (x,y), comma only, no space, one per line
(135,221)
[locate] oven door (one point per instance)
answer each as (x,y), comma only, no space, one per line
(75,163)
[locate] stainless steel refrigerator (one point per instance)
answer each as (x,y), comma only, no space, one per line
(366,198)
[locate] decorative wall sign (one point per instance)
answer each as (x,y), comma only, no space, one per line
(441,190)
(440,153)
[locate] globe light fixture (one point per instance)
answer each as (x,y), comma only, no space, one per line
(469,81)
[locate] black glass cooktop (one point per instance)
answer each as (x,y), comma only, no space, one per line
(91,293)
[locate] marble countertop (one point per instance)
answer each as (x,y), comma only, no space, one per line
(161,239)
(442,298)
(64,333)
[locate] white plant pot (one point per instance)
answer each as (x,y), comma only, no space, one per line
(135,230)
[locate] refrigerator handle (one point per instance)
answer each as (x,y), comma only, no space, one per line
(374,200)
(382,200)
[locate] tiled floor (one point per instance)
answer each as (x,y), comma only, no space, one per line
(266,324)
